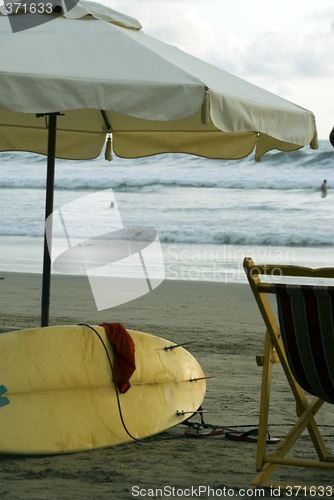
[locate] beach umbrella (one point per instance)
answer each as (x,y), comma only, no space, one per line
(70,75)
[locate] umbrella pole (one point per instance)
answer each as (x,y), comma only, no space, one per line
(48,211)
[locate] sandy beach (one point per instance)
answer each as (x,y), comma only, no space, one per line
(224,321)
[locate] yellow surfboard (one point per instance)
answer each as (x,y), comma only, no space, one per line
(57,393)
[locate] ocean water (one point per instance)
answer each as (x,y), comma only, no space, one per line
(209,214)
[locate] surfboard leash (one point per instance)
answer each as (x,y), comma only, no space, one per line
(114,380)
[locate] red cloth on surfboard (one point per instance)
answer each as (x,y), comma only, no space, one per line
(124,354)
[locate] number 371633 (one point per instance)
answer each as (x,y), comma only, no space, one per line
(30,8)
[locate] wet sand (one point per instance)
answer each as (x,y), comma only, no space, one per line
(224,321)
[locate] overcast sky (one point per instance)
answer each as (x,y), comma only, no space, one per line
(286,47)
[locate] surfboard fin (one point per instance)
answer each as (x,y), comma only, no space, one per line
(182,412)
(201,378)
(170,347)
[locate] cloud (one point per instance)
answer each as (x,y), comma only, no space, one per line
(178,24)
(279,53)
(322,15)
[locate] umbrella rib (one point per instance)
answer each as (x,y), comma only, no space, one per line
(106,121)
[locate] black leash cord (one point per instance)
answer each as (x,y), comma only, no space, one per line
(114,380)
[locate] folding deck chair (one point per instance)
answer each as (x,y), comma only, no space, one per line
(304,344)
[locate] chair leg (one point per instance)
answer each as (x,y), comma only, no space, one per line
(318,443)
(266,465)
(301,400)
(265,399)
(278,458)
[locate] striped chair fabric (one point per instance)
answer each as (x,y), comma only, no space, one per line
(306,317)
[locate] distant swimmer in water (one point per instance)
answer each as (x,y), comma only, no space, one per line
(324,189)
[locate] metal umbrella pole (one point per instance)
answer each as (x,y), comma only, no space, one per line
(48,211)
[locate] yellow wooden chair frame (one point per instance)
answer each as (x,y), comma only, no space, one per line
(274,352)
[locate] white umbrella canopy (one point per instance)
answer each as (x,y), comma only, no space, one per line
(157,98)
(91,71)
